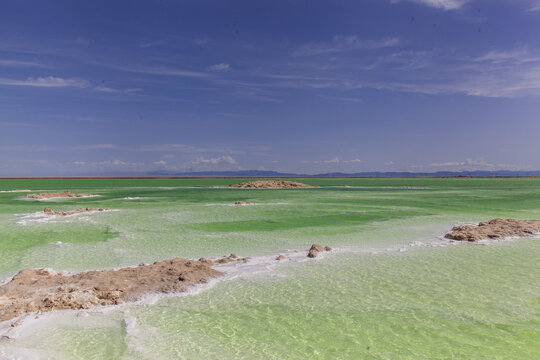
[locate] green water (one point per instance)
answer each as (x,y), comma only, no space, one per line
(375,297)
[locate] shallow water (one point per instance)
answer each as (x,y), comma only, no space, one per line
(387,292)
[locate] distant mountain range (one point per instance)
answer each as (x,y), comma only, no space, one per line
(271,174)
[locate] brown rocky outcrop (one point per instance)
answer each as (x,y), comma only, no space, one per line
(281,257)
(42,290)
(270,184)
(65,194)
(495,229)
(50,211)
(230,258)
(316,249)
(243,203)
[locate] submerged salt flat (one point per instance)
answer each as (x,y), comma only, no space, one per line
(392,287)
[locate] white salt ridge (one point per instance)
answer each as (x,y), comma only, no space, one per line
(132,198)
(256,204)
(61,197)
(256,266)
(14,191)
(42,217)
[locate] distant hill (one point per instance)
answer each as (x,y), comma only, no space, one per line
(270,174)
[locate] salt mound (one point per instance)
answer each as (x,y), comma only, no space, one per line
(44,290)
(65,194)
(270,184)
(495,229)
(50,211)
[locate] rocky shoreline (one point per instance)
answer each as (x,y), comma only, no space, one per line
(64,194)
(495,229)
(271,184)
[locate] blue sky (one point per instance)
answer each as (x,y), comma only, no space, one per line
(104,87)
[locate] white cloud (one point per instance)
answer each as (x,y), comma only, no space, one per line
(215,161)
(49,81)
(534,5)
(341,43)
(170,147)
(220,67)
(112,90)
(440,4)
(330,161)
(160,163)
(353,161)
(479,162)
(116,163)
(389,163)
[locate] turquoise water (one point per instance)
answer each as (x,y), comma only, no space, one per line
(391,290)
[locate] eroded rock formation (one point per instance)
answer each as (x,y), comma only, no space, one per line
(495,229)
(316,249)
(43,290)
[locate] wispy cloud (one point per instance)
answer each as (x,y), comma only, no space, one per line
(219,67)
(441,4)
(214,161)
(94,147)
(329,161)
(341,43)
(171,148)
(17,63)
(534,5)
(160,163)
(470,163)
(153,70)
(49,82)
(201,41)
(118,91)
(165,71)
(116,163)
